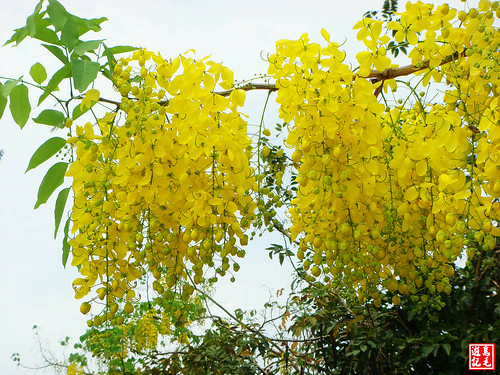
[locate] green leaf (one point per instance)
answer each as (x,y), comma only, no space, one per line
(7,87)
(66,248)
(59,209)
(83,47)
(47,35)
(122,49)
(57,14)
(108,54)
(447,348)
(69,32)
(84,73)
(56,79)
(57,52)
(48,149)
(137,78)
(107,72)
(18,36)
(85,25)
(411,315)
(3,102)
(34,22)
(53,179)
(38,73)
(353,353)
(426,350)
(29,28)
(20,105)
(77,111)
(51,117)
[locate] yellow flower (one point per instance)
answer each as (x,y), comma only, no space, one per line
(74,369)
(89,98)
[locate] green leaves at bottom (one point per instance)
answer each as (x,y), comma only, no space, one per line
(50,182)
(427,349)
(447,348)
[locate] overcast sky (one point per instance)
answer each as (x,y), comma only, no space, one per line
(34,287)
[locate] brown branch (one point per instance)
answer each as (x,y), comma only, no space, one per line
(391,73)
(250,86)
(375,76)
(104,100)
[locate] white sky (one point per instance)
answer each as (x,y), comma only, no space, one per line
(34,288)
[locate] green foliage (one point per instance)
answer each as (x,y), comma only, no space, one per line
(57,52)
(407,338)
(223,348)
(65,244)
(48,149)
(386,14)
(51,181)
(84,73)
(320,333)
(60,33)
(51,117)
(38,73)
(59,209)
(20,105)
(3,101)
(57,78)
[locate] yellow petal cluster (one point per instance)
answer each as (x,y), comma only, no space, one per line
(388,199)
(163,184)
(74,369)
(146,332)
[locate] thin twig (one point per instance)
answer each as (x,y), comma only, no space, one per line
(243,324)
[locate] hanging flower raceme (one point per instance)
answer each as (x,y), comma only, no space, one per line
(164,184)
(390,198)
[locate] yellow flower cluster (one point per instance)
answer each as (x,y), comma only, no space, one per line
(165,183)
(391,197)
(165,323)
(146,331)
(107,344)
(74,369)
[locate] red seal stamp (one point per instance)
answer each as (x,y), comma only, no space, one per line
(481,356)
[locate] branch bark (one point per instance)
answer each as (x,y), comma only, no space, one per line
(375,76)
(391,73)
(250,86)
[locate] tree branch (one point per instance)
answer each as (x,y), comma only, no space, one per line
(375,76)
(250,86)
(391,73)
